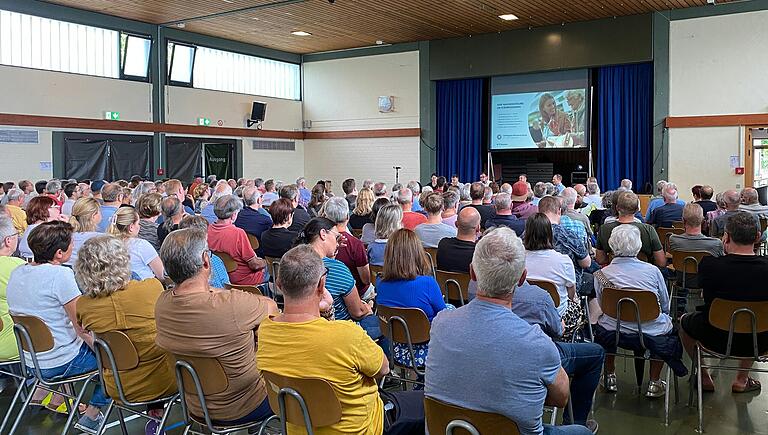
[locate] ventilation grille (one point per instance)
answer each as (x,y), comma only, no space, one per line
(274,145)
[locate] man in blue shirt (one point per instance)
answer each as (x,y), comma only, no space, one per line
(557,180)
(113,195)
(484,357)
(249,218)
(504,216)
(658,200)
(671,211)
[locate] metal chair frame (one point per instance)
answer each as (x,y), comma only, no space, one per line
(633,303)
(23,339)
(390,335)
(431,257)
(6,367)
(207,423)
(687,260)
(332,412)
(446,285)
(702,353)
(100,345)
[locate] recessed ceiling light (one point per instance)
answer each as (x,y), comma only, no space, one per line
(301,33)
(508,17)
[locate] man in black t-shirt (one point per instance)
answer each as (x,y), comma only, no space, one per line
(476,193)
(734,277)
(454,254)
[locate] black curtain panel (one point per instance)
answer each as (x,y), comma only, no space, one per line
(86,158)
(183,158)
(129,157)
(218,160)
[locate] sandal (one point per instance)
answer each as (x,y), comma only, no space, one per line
(44,402)
(62,408)
(751,385)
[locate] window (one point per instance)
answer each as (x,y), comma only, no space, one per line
(53,45)
(218,70)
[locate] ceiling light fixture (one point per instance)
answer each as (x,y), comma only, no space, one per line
(301,33)
(508,17)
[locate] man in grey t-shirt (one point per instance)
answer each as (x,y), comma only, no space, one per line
(434,229)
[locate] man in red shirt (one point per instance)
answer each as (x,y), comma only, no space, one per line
(224,236)
(410,218)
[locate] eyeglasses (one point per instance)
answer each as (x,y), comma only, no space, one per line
(323,275)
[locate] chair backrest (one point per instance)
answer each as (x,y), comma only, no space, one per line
(357,233)
(646,301)
(678,224)
(211,374)
(229,262)
(454,285)
(439,416)
(253,241)
(721,311)
(432,256)
(126,357)
(246,288)
(550,287)
(687,261)
(273,265)
(320,401)
(644,201)
(664,234)
(376,271)
(39,334)
(404,323)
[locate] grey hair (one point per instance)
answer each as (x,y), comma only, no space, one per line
(238,192)
(379,189)
(593,189)
(498,262)
(13,195)
(670,192)
(450,200)
(6,226)
(626,183)
(426,189)
(53,186)
(300,272)
(103,266)
(227,206)
(251,196)
(182,253)
(539,189)
(625,241)
(414,186)
(170,207)
(404,196)
(388,220)
(336,209)
(289,192)
(660,186)
(550,188)
(143,188)
(506,188)
(503,202)
(464,193)
(367,183)
(569,196)
(300,180)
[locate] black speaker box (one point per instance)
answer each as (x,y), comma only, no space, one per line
(258,111)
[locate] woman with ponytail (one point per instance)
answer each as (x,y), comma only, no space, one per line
(145,263)
(86,215)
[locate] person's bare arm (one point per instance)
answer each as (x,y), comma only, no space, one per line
(71,309)
(558,391)
(257,263)
(601,257)
(157,268)
(585,262)
(384,370)
(659,258)
(365,274)
(571,291)
(355,306)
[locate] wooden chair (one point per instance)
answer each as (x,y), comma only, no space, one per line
(664,234)
(443,418)
(733,317)
(644,201)
(34,337)
(432,255)
(253,241)
(407,326)
(229,263)
(635,306)
(273,266)
(454,286)
(205,377)
(246,288)
(678,224)
(116,352)
(6,369)
(314,403)
(376,271)
(686,263)
(357,233)
(550,288)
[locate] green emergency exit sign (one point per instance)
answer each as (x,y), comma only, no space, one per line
(112,116)
(764,142)
(205,122)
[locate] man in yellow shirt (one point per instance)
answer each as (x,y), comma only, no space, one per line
(15,199)
(299,343)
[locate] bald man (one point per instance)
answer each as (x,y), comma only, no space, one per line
(732,200)
(455,253)
(751,203)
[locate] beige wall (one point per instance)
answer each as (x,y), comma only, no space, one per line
(717,66)
(343,94)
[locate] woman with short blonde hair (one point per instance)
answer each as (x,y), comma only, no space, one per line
(388,220)
(145,262)
(86,215)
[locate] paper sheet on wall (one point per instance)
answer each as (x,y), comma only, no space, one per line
(46,166)
(735,162)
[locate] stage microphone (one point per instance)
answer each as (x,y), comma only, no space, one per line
(397,167)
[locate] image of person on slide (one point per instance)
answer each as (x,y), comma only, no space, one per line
(575,99)
(555,125)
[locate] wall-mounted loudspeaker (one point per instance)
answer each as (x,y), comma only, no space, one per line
(258,112)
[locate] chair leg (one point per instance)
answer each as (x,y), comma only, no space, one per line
(121,417)
(165,416)
(73,411)
(24,407)
(553,418)
(19,390)
(699,393)
(666,398)
(103,425)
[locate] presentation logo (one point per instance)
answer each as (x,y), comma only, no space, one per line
(498,136)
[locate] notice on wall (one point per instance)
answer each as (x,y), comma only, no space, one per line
(46,166)
(19,136)
(735,162)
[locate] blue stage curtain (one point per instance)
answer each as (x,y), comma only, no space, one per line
(460,128)
(625,114)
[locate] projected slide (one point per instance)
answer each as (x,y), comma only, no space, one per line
(551,119)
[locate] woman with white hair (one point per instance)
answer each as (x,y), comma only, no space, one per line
(142,189)
(388,220)
(145,262)
(626,271)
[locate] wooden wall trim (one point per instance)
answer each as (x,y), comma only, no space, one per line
(12,119)
(356,134)
(716,120)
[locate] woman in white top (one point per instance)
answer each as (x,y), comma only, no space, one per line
(48,290)
(86,215)
(40,209)
(145,262)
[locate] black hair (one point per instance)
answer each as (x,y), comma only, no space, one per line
(538,233)
(312,229)
(69,189)
(742,228)
(40,187)
(49,237)
(377,205)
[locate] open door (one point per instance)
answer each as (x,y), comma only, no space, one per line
(756,167)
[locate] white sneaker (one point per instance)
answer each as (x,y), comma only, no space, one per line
(656,389)
(608,382)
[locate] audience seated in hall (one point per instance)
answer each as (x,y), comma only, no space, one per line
(250,218)
(270,195)
(299,343)
(369,229)
(476,194)
(627,205)
(450,208)
(40,209)
(224,236)
(388,220)
(671,211)
(433,230)
(415,188)
(145,262)
(351,251)
(455,253)
(659,200)
(277,240)
(503,216)
(349,187)
(484,333)
(111,301)
(626,271)
(569,198)
(46,289)
(730,277)
(361,213)
(222,189)
(172,214)
(732,200)
(318,198)
(196,320)
(300,215)
(410,219)
(303,194)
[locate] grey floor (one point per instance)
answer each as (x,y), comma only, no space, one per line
(625,412)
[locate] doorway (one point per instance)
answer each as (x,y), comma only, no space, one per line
(756,165)
(188,157)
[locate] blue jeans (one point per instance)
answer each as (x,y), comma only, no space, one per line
(573,429)
(583,362)
(261,413)
(84,362)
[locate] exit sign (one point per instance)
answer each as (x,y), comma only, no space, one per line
(112,116)
(764,142)
(205,122)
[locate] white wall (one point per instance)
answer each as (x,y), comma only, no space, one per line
(36,92)
(343,94)
(717,66)
(185,105)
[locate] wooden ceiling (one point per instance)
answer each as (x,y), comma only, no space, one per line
(360,23)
